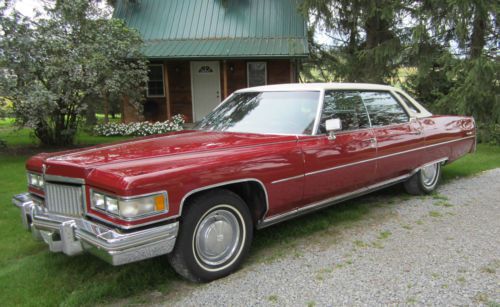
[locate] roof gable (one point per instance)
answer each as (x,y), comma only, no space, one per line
(207,28)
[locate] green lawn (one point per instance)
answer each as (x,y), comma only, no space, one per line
(23,137)
(31,275)
(487,157)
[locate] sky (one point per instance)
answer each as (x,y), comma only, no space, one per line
(27,7)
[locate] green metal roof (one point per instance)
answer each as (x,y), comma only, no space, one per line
(210,29)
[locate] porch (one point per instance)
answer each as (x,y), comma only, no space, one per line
(194,88)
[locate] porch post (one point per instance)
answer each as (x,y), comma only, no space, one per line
(166,89)
(224,78)
(293,71)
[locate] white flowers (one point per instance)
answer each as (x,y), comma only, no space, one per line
(140,128)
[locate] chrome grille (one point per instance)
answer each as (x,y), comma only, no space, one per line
(64,199)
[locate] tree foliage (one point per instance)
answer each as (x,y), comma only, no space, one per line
(452,45)
(55,62)
(366,40)
(464,53)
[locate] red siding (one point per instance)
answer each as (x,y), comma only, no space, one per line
(278,71)
(180,88)
(236,75)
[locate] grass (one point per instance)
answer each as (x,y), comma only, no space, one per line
(439,196)
(435,214)
(360,243)
(24,137)
(384,234)
(487,157)
(32,276)
(272,298)
(491,267)
(442,203)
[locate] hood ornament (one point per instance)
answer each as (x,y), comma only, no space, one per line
(44,169)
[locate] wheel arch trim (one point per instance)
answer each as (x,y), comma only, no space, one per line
(226,183)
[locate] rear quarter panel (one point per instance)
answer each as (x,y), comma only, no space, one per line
(448,137)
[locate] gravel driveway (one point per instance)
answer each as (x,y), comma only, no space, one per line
(435,250)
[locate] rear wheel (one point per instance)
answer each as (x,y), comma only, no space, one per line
(214,238)
(425,180)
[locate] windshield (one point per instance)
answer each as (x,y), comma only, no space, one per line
(265,112)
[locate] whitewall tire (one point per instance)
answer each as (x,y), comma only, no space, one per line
(425,180)
(214,238)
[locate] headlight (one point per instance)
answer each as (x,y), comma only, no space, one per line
(130,207)
(35,180)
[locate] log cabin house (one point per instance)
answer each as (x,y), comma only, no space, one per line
(200,51)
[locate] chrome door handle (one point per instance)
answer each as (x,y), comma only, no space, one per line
(373,142)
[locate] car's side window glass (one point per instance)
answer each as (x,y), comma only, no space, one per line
(348,107)
(383,108)
(408,103)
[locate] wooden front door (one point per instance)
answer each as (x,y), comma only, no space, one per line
(205,86)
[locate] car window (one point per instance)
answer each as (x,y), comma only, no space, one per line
(408,103)
(383,108)
(290,112)
(348,107)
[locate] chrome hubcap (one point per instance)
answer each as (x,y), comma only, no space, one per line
(217,237)
(429,174)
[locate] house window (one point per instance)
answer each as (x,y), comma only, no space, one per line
(256,73)
(155,83)
(205,70)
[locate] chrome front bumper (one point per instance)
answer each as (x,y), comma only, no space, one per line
(74,235)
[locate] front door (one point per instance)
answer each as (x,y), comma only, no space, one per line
(338,166)
(205,85)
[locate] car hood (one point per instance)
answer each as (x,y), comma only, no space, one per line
(174,144)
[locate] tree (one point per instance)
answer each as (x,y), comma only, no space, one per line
(452,45)
(463,36)
(58,61)
(366,40)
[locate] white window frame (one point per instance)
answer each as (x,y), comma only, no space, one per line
(248,71)
(162,81)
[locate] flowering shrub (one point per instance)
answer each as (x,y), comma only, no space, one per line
(140,128)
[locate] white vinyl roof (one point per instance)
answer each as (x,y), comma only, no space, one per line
(290,87)
(316,87)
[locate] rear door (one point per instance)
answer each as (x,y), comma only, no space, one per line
(346,163)
(399,138)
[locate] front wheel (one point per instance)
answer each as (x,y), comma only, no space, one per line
(214,238)
(425,180)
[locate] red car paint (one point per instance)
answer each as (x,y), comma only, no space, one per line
(294,170)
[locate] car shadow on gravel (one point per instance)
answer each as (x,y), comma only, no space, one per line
(322,228)
(284,238)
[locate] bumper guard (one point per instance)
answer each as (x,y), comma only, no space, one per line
(74,235)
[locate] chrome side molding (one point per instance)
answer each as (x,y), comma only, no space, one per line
(329,202)
(343,197)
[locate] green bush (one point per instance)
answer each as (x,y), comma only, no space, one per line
(5,107)
(488,134)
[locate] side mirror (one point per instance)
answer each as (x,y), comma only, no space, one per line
(333,125)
